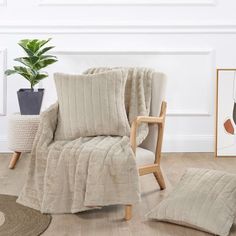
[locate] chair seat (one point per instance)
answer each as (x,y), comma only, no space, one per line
(144,157)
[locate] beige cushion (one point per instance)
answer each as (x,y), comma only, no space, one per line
(203,199)
(144,157)
(91,105)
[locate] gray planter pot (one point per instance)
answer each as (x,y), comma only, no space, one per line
(30,101)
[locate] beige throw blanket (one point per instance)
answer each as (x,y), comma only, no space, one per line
(73,176)
(137,94)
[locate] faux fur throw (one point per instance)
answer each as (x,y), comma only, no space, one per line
(137,94)
(78,175)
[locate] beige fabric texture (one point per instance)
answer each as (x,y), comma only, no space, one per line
(144,157)
(21,131)
(203,199)
(78,175)
(159,83)
(138,92)
(91,105)
(72,176)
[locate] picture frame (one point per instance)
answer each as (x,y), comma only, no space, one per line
(225,138)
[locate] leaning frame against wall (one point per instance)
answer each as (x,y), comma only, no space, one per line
(225,145)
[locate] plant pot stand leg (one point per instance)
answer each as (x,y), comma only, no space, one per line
(15,157)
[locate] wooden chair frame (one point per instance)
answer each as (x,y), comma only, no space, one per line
(155,167)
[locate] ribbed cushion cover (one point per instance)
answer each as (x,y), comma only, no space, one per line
(138,93)
(203,199)
(91,105)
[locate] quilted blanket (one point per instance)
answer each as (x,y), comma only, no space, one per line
(86,173)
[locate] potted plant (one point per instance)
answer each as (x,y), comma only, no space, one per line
(30,99)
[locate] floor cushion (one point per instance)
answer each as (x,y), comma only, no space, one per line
(203,199)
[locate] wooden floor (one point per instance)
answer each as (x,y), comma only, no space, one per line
(109,221)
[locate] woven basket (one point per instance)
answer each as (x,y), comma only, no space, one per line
(21,131)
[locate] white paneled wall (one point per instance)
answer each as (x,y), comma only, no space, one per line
(126,2)
(3,54)
(186,39)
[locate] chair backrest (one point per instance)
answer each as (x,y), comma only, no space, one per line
(158,96)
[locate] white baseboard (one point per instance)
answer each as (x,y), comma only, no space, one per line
(172,143)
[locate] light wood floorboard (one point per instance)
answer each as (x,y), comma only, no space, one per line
(109,220)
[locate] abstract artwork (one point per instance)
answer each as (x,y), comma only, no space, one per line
(226,113)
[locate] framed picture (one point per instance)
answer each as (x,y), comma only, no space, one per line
(226,113)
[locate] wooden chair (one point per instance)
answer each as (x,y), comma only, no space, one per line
(152,146)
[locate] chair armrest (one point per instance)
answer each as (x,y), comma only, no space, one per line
(149,119)
(160,121)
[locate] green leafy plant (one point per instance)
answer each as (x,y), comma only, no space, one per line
(34,61)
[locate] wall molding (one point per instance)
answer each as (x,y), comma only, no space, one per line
(3,92)
(127,2)
(162,51)
(171,112)
(3,3)
(124,28)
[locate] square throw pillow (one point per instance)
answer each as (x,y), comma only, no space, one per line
(203,199)
(91,105)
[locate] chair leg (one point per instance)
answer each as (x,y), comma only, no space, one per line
(159,177)
(15,157)
(128,212)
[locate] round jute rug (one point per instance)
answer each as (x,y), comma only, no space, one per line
(18,220)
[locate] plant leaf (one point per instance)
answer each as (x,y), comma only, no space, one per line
(39,77)
(23,43)
(44,63)
(28,61)
(10,72)
(33,45)
(44,50)
(43,42)
(47,56)
(25,72)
